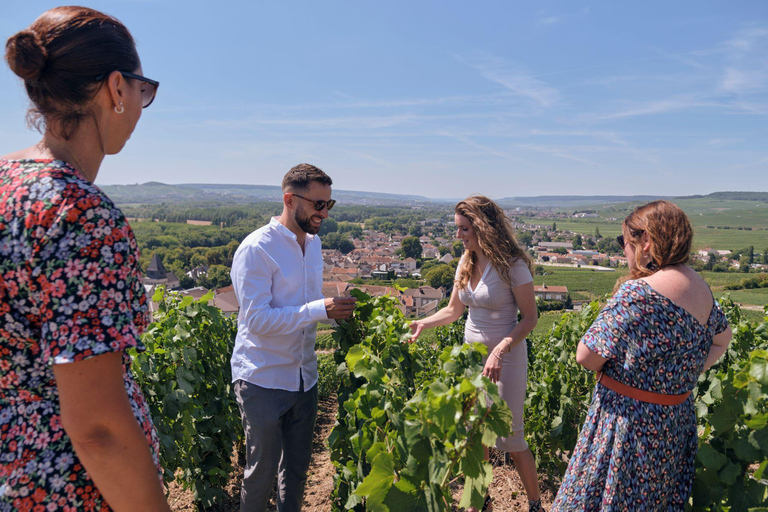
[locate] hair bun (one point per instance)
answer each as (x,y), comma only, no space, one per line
(26,55)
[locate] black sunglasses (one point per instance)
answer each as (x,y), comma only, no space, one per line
(148,86)
(318,204)
(635,234)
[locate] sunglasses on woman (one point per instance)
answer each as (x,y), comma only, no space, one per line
(623,242)
(318,204)
(148,86)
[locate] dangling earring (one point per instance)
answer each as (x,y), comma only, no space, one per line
(122,109)
(650,265)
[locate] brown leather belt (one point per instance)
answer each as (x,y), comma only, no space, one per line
(639,394)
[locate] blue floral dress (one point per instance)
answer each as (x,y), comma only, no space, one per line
(70,289)
(634,455)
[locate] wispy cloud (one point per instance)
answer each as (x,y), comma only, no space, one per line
(747,61)
(514,77)
(548,20)
(484,148)
(663,106)
(719,142)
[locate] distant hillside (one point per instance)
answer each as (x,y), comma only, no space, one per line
(573,201)
(154,192)
(733,196)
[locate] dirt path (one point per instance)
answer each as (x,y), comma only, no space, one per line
(506,490)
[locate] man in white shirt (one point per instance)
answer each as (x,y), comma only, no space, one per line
(277,274)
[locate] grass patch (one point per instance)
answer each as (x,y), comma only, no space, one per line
(591,284)
(752,316)
(325,341)
(545,323)
(719,279)
(756,297)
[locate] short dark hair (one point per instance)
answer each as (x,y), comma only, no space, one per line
(59,57)
(302,175)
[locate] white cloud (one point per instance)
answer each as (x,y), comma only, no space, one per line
(747,61)
(514,77)
(549,20)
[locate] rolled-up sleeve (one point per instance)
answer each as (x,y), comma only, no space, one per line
(252,278)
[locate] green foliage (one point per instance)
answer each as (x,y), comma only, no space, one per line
(550,305)
(329,225)
(338,241)
(327,380)
(439,275)
(458,249)
(325,341)
(732,410)
(759,281)
(411,247)
(412,417)
(580,280)
(352,229)
(185,376)
(559,389)
(216,277)
(731,406)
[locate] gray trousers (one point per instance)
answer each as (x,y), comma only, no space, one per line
(279,427)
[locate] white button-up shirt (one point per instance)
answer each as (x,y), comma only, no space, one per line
(280,291)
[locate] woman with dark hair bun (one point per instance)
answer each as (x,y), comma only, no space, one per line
(658,333)
(75,430)
(494,280)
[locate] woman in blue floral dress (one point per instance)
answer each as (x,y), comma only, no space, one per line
(75,431)
(650,343)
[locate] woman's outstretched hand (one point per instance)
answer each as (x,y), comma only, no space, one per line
(416,328)
(492,368)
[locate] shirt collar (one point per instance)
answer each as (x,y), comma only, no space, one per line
(287,232)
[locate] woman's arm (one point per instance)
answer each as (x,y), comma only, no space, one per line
(526,303)
(445,316)
(97,416)
(719,345)
(588,359)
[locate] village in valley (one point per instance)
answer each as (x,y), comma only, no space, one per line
(417,266)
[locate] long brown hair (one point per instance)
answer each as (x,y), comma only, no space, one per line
(60,56)
(670,235)
(494,236)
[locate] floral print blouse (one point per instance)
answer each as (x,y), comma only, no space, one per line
(70,289)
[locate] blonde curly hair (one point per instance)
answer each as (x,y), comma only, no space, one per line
(495,237)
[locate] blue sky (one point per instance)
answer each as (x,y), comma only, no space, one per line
(442,98)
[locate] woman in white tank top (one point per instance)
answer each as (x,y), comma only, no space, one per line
(494,280)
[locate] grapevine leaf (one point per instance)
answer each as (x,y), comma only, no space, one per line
(404,497)
(376,485)
(471,464)
(556,427)
(761,438)
(747,449)
(475,488)
(758,421)
(712,459)
(726,415)
(360,295)
(761,470)
(729,473)
(759,370)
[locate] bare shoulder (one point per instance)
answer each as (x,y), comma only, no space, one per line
(685,287)
(31,152)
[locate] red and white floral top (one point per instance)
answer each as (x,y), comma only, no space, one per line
(70,289)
